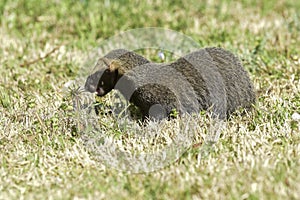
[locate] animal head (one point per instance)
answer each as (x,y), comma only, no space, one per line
(105,78)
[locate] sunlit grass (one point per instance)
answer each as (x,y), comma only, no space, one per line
(44,45)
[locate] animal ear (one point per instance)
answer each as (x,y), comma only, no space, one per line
(114,65)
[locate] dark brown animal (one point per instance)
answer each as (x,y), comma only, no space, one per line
(210,78)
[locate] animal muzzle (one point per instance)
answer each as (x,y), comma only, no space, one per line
(100,92)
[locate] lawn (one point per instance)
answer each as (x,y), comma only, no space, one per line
(45,45)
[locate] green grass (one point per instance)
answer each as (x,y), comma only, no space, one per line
(43,46)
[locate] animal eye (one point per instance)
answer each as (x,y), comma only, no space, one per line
(101,83)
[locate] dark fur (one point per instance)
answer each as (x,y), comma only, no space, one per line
(208,78)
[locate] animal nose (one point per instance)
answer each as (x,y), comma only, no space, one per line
(100,92)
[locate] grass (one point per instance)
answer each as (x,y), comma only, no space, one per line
(43,46)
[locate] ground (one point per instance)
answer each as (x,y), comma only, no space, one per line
(44,156)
